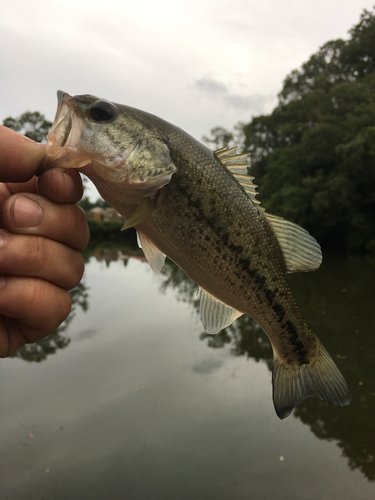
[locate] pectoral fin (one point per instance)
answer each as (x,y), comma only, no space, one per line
(139,214)
(215,315)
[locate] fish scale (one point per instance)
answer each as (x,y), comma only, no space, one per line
(198,207)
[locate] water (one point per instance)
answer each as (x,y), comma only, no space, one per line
(130,399)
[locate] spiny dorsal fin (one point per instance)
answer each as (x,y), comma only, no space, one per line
(301,251)
(215,315)
(154,256)
(237,165)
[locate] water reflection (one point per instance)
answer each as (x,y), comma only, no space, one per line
(337,305)
(60,339)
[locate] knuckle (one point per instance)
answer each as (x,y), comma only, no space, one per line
(71,219)
(76,226)
(78,268)
(54,303)
(39,252)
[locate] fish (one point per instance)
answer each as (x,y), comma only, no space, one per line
(199,208)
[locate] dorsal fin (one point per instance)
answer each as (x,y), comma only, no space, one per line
(237,165)
(300,250)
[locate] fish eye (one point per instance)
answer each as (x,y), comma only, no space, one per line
(102,112)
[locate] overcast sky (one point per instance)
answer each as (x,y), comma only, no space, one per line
(195,63)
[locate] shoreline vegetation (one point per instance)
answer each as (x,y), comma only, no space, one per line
(105,224)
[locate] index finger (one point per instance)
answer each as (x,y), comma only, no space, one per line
(20,157)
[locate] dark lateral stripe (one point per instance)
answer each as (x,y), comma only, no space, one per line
(298,346)
(279,310)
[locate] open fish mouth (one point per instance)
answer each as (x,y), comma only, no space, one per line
(64,136)
(67,127)
(62,124)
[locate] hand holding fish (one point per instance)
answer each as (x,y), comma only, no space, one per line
(42,234)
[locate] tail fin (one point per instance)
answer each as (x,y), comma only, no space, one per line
(320,378)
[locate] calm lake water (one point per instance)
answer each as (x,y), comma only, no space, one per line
(129,399)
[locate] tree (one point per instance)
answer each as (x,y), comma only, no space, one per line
(314,155)
(336,62)
(221,138)
(31,124)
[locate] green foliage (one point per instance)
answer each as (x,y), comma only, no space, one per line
(221,138)
(337,61)
(105,230)
(88,205)
(102,203)
(33,125)
(314,155)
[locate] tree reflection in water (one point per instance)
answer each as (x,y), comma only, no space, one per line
(335,302)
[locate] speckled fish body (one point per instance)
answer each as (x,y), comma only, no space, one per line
(198,207)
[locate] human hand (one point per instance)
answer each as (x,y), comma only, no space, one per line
(42,235)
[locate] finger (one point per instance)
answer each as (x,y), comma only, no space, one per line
(32,308)
(35,256)
(21,187)
(61,185)
(7,189)
(58,184)
(19,156)
(34,214)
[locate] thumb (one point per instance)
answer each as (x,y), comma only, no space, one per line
(19,156)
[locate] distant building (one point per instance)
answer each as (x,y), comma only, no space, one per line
(105,215)
(95,213)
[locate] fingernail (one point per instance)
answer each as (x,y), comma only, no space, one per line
(26,212)
(2,241)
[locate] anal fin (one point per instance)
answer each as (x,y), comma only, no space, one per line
(215,315)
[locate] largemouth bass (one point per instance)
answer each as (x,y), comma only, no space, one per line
(199,208)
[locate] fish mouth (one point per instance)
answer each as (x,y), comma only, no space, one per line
(62,124)
(63,138)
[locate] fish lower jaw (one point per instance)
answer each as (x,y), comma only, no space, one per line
(63,157)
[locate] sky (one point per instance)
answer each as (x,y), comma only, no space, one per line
(196,63)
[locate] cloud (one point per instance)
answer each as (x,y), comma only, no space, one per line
(211,86)
(207,366)
(256,103)
(253,102)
